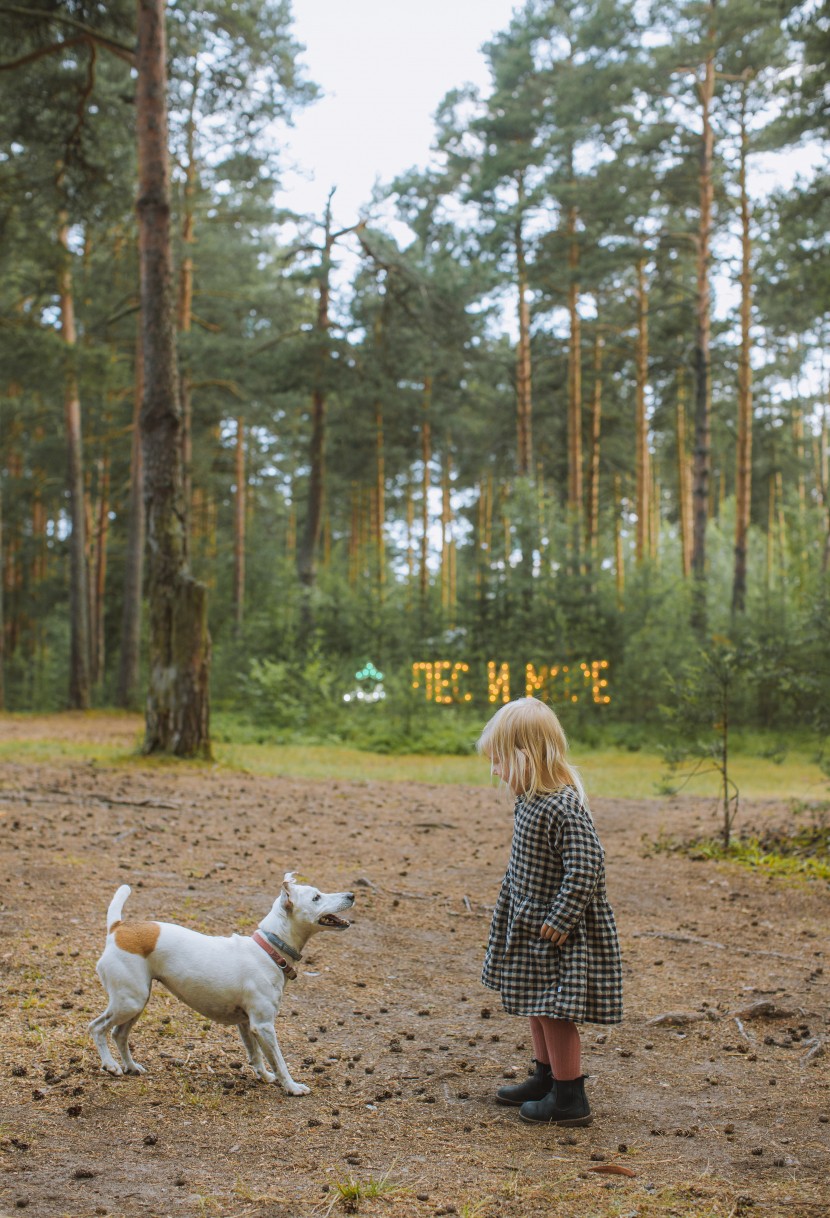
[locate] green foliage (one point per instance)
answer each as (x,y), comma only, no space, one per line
(704,694)
(585,146)
(794,851)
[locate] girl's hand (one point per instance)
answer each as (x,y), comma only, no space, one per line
(557,937)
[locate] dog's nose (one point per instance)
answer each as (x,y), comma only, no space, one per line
(350,895)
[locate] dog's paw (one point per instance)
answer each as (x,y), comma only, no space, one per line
(296,1088)
(136,1069)
(265,1076)
(114,1070)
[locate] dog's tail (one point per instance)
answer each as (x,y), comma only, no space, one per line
(116,905)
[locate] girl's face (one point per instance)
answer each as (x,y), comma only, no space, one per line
(500,769)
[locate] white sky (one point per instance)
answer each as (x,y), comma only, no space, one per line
(383,66)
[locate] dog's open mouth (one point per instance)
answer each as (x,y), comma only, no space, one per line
(334,922)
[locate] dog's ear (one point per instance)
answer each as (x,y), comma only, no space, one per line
(287,901)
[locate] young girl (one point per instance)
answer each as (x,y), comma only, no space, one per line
(553,952)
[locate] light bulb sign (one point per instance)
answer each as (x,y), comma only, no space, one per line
(447,681)
(369,687)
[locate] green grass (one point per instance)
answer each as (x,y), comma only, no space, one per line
(605,772)
(110,738)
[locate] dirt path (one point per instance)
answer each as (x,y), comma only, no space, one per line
(402,1047)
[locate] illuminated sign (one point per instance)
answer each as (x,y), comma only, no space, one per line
(444,681)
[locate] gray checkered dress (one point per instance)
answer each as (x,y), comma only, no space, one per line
(556,874)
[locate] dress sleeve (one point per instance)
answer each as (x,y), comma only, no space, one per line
(571,836)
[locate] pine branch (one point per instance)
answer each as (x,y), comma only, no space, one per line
(231,387)
(210,326)
(118,48)
(52,49)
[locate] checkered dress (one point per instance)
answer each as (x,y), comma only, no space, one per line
(556,874)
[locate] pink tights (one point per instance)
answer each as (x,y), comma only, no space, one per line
(556,1042)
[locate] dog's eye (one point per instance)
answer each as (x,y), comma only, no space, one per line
(317,898)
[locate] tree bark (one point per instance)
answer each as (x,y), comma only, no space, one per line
(79,650)
(743,487)
(102,534)
(185,302)
(2,617)
(128,668)
(380,542)
(702,359)
(596,427)
(524,403)
(426,457)
(239,529)
(824,483)
(575,509)
(177,713)
(307,550)
(619,562)
(643,463)
(683,480)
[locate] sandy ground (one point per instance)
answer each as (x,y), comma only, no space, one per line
(387,1022)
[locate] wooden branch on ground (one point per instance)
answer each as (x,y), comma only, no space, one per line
(721,947)
(68,797)
(675,938)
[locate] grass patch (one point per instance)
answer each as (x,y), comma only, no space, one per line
(610,767)
(792,851)
(607,772)
(350,1191)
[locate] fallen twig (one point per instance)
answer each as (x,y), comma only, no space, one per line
(673,1019)
(764,1008)
(721,947)
(665,934)
(817,1047)
(743,1031)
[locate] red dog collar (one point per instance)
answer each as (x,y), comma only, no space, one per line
(279,960)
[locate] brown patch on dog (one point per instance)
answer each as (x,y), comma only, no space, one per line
(140,938)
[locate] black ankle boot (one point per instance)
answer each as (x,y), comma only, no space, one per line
(537,1085)
(565,1104)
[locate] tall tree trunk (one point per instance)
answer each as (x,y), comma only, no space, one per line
(426,457)
(703,391)
(178,709)
(574,393)
(743,484)
(800,458)
(524,400)
(824,482)
(2,615)
(79,651)
(446,538)
(127,688)
(185,301)
(381,502)
(410,541)
(655,495)
(683,480)
(596,426)
(771,533)
(307,550)
(102,533)
(643,462)
(619,562)
(239,529)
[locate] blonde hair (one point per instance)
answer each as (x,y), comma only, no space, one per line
(526,740)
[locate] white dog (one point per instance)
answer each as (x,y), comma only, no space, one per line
(236,980)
